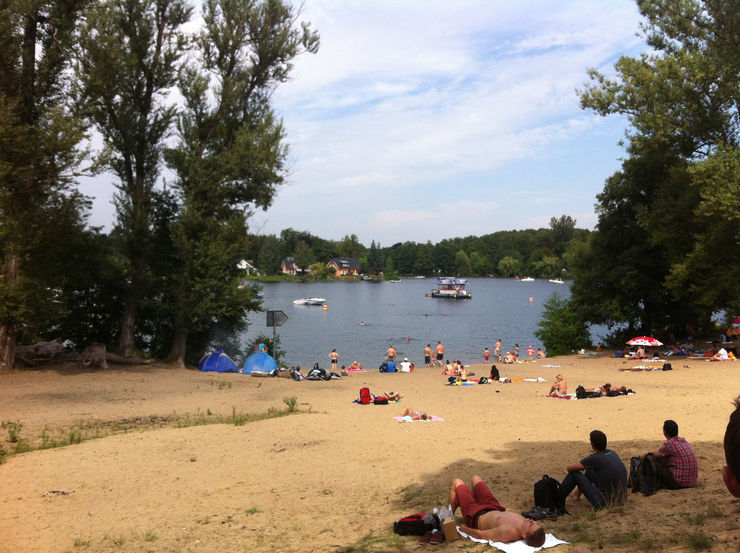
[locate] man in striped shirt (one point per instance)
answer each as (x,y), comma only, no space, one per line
(677,466)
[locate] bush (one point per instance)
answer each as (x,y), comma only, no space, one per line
(561,329)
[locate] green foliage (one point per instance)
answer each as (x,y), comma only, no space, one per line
(273,346)
(291,402)
(14,430)
(561,329)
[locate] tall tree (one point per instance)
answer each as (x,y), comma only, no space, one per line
(39,135)
(230,155)
(128,62)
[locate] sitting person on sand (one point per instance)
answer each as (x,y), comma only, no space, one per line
(721,355)
(462,373)
(355,366)
(560,388)
(540,354)
(486,518)
(640,353)
(509,358)
(677,464)
(449,369)
(416,415)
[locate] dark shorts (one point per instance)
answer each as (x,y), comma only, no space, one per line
(427,359)
(440,356)
(475,504)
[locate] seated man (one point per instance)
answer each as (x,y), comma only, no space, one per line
(486,518)
(405,365)
(731,471)
(560,388)
(604,481)
(721,355)
(677,466)
(540,354)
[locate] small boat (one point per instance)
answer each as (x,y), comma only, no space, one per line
(419,276)
(451,288)
(556,280)
(527,279)
(309,301)
(396,280)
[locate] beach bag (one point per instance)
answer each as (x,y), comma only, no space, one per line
(383,367)
(482,380)
(381,401)
(417,524)
(667,367)
(643,475)
(366,398)
(581,392)
(547,494)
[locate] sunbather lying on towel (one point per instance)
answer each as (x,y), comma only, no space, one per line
(416,415)
(486,518)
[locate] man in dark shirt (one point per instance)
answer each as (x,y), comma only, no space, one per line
(601,476)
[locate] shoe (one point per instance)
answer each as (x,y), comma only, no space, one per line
(550,512)
(425,538)
(437,538)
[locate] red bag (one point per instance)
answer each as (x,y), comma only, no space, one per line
(366,398)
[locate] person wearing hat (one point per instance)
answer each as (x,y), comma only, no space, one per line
(405,365)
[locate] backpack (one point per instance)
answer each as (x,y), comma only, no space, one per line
(366,398)
(643,475)
(383,367)
(667,367)
(547,494)
(381,400)
(417,524)
(581,392)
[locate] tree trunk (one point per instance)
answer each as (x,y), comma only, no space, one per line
(126,344)
(8,335)
(176,356)
(94,356)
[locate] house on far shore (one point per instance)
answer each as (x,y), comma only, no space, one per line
(246,265)
(344,266)
(289,267)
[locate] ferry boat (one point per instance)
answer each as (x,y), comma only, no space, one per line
(451,288)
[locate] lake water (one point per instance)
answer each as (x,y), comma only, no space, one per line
(401,315)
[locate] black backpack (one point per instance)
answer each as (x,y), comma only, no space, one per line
(417,524)
(644,475)
(547,495)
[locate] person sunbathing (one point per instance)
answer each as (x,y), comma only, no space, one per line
(721,355)
(393,396)
(560,388)
(416,415)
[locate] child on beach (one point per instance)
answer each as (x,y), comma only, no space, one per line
(486,354)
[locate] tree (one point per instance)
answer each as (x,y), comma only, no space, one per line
(128,62)
(350,246)
(303,255)
(39,137)
(374,258)
(230,156)
(561,232)
(509,266)
(561,328)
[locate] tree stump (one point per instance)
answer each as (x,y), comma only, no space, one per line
(95,356)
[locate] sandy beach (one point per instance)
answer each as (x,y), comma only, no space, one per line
(333,475)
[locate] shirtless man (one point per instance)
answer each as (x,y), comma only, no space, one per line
(497,350)
(428,355)
(440,353)
(560,388)
(391,352)
(486,518)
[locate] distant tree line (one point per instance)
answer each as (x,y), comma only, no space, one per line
(538,253)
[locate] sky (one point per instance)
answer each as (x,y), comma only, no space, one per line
(420,120)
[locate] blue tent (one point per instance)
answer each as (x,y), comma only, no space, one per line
(260,362)
(218,361)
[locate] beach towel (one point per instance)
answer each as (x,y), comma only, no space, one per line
(517,546)
(407,418)
(563,396)
(640,368)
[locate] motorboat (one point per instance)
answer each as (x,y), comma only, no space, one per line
(396,280)
(451,288)
(527,279)
(309,301)
(556,280)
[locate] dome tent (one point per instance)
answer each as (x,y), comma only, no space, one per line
(218,361)
(260,362)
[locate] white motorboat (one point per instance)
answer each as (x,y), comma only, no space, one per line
(556,280)
(451,288)
(309,301)
(527,279)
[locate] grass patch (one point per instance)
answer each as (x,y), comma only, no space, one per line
(647,544)
(624,538)
(84,431)
(79,542)
(252,511)
(150,536)
(699,541)
(14,430)
(696,518)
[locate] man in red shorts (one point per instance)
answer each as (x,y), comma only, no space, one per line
(487,519)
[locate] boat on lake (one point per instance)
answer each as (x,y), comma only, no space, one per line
(309,301)
(556,280)
(527,279)
(451,288)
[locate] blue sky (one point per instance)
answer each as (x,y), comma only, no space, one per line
(423,120)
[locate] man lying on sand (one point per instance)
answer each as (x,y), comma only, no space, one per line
(486,518)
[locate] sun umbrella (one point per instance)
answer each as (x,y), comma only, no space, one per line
(644,341)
